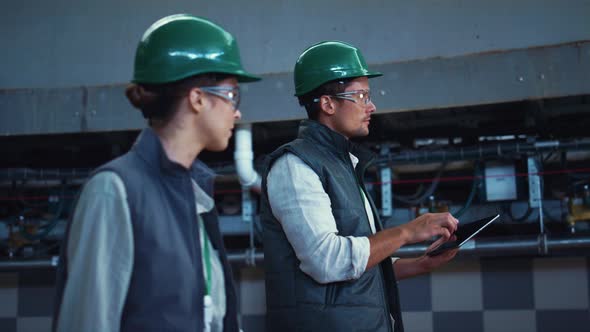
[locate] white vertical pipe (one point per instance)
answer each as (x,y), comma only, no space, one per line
(244,157)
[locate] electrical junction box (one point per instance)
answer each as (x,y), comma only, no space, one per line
(500,182)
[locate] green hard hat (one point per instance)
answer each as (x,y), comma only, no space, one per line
(182,45)
(328,61)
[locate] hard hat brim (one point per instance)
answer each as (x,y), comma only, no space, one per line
(368,74)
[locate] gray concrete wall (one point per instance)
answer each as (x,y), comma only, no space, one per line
(61,43)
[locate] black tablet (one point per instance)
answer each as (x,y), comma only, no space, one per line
(464,233)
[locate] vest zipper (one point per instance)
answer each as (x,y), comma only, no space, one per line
(331,291)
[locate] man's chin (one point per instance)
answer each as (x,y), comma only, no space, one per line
(363,132)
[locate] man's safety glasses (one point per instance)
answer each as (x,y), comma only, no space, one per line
(356,96)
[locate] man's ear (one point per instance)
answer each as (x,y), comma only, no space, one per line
(327,105)
(196,100)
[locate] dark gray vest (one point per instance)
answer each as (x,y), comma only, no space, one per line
(296,302)
(167,284)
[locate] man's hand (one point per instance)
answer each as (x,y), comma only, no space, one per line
(429,225)
(386,242)
(430,263)
(410,267)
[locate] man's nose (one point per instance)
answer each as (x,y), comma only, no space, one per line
(371,107)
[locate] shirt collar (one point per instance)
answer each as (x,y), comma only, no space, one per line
(204,202)
(354,159)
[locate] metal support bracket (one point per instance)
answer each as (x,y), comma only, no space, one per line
(535,190)
(386,192)
(247,205)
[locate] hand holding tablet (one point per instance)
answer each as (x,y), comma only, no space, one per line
(464,233)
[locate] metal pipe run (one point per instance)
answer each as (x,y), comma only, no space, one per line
(28,174)
(442,153)
(29,264)
(531,245)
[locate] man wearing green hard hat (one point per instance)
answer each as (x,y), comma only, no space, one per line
(327,255)
(143,251)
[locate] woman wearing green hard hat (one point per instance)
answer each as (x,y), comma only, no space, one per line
(143,251)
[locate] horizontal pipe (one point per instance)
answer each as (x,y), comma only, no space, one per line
(42,177)
(237,258)
(24,174)
(248,257)
(534,245)
(519,246)
(559,244)
(28,264)
(481,151)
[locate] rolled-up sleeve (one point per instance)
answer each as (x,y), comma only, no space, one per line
(298,200)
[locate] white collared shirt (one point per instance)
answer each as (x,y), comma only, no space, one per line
(299,202)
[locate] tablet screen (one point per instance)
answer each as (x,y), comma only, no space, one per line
(464,233)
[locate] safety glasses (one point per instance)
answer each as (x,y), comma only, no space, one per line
(229,93)
(356,96)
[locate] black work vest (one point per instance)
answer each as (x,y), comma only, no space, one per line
(296,302)
(167,284)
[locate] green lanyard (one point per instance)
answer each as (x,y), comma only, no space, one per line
(205,253)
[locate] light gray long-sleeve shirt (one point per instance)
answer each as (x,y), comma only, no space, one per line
(100,259)
(299,202)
